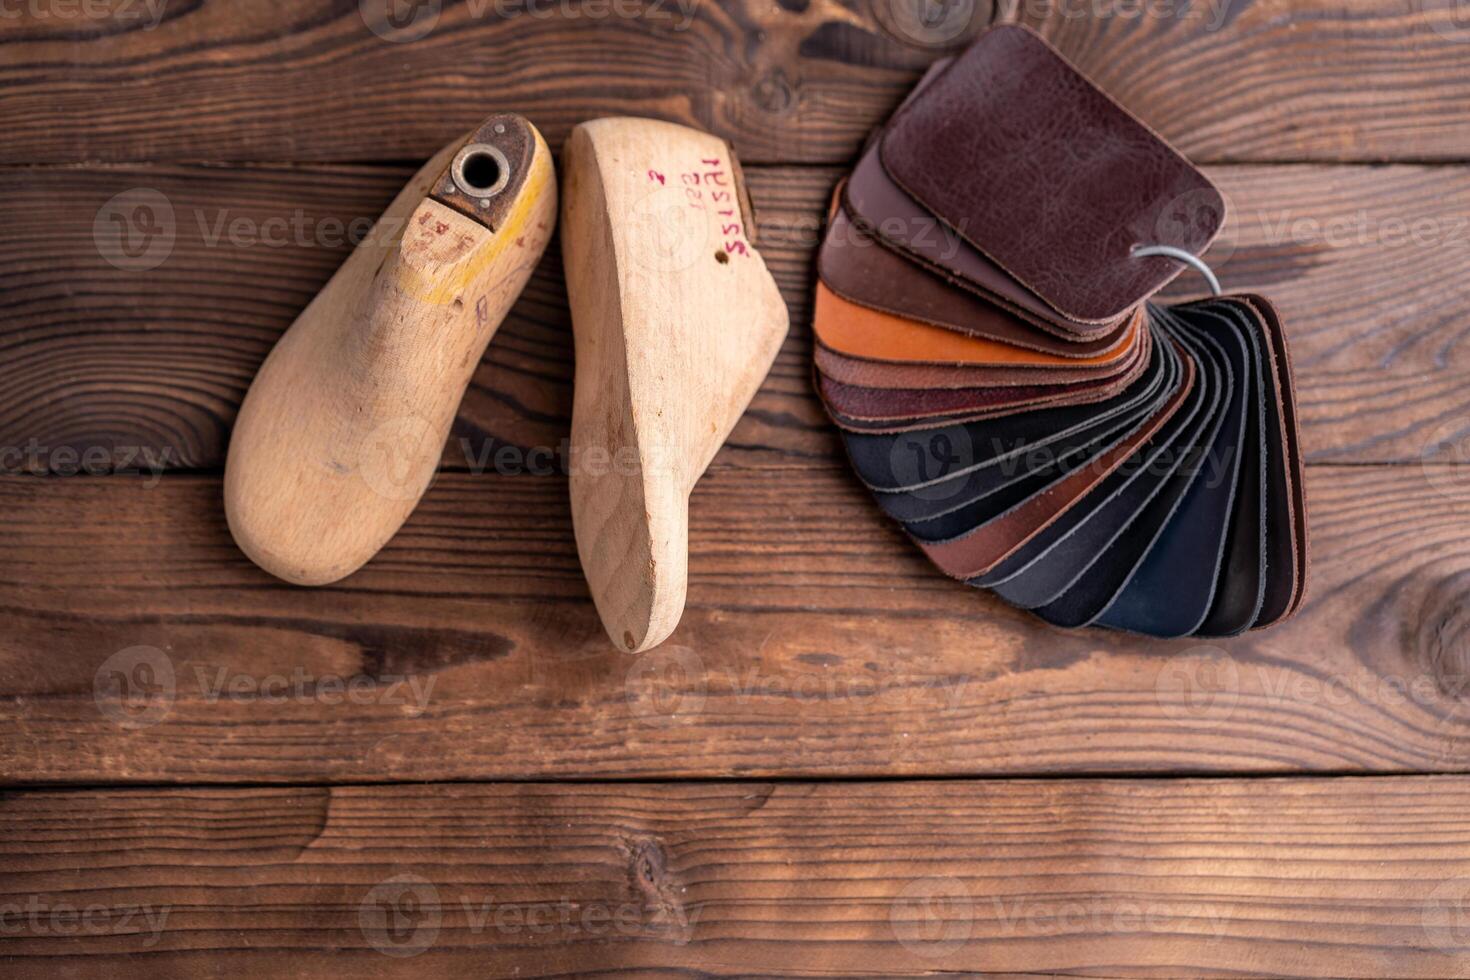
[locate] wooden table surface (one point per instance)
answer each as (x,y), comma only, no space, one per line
(842,763)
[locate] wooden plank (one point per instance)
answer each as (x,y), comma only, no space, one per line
(1279,80)
(145,364)
(1193,878)
(106,366)
(786,82)
(141,645)
(309,80)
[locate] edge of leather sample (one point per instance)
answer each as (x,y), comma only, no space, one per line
(1071,168)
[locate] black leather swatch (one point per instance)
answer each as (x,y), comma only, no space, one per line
(1157,490)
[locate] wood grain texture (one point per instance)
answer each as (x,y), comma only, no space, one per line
(140,645)
(1281,80)
(785,82)
(677,321)
(134,367)
(1363,878)
(137,366)
(261,80)
(345,423)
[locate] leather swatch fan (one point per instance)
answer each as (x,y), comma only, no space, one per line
(1006,389)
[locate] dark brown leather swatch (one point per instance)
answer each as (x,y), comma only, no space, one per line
(1050,178)
(858,268)
(984,342)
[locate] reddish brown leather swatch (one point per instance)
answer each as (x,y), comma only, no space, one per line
(1052,180)
(984,343)
(860,269)
(986,546)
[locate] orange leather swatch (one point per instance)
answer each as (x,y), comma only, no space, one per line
(858,331)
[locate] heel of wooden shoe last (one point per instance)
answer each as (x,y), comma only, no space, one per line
(343,428)
(677,321)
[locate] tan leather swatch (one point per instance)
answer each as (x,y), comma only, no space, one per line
(915,374)
(857,331)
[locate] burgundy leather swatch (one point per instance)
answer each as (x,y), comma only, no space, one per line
(1052,180)
(984,342)
(882,209)
(858,268)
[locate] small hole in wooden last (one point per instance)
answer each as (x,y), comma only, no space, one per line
(481,171)
(721,257)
